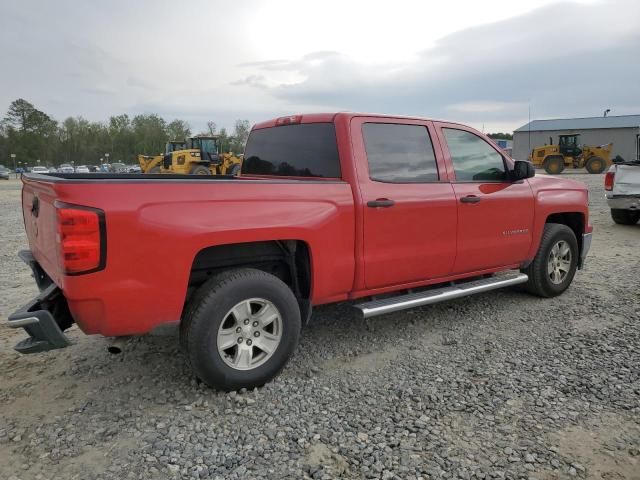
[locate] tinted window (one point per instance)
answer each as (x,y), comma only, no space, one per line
(305,150)
(399,153)
(473,158)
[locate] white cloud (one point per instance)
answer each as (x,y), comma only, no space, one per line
(480,62)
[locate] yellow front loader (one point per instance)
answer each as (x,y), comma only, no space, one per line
(567,153)
(200,155)
(153,163)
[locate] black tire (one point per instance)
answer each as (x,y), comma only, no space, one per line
(625,217)
(539,282)
(199,170)
(554,165)
(595,165)
(235,170)
(207,311)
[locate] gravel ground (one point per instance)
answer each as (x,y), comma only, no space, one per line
(500,385)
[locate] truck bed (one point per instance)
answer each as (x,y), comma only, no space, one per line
(157,224)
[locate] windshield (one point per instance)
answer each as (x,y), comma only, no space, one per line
(173,146)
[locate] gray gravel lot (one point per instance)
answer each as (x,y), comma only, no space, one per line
(500,385)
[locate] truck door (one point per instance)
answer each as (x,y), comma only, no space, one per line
(408,205)
(495,215)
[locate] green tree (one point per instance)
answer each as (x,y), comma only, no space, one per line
(178,130)
(501,136)
(122,138)
(20,115)
(240,135)
(150,131)
(29,133)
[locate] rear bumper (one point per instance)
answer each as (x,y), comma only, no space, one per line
(624,202)
(42,317)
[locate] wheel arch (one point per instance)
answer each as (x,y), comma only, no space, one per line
(290,260)
(575,221)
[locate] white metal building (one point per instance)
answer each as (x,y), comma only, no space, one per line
(621,130)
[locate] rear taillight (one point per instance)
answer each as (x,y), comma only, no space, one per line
(81,238)
(608,180)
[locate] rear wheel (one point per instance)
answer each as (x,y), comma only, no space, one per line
(240,329)
(555,263)
(200,170)
(625,217)
(554,165)
(595,165)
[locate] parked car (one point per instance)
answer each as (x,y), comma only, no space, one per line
(39,169)
(622,187)
(82,169)
(135,169)
(65,168)
(328,207)
(4,173)
(119,168)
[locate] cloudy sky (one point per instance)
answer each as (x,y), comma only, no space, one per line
(480,62)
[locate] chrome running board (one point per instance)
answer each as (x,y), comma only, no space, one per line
(436,295)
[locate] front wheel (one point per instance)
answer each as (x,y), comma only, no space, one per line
(554,165)
(595,165)
(200,170)
(240,329)
(556,262)
(235,170)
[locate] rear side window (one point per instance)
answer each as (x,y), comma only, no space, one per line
(304,150)
(399,153)
(473,159)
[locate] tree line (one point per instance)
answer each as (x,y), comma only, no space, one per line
(33,136)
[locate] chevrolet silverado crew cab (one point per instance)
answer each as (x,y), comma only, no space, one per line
(328,207)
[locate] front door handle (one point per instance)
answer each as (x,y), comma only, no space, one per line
(470,199)
(381,202)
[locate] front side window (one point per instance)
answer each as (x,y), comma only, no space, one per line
(399,153)
(474,160)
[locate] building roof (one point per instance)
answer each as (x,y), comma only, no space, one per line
(586,123)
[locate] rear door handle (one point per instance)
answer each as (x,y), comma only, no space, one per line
(381,202)
(470,199)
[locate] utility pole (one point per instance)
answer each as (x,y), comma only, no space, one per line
(15,169)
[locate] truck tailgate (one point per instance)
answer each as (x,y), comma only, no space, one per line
(39,213)
(627,180)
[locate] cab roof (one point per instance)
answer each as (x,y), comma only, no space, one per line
(331,117)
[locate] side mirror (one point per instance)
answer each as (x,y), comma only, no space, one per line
(522,169)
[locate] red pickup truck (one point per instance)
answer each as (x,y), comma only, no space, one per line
(328,207)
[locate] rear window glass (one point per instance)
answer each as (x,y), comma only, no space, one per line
(399,153)
(305,150)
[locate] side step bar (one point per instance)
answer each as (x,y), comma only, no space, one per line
(428,297)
